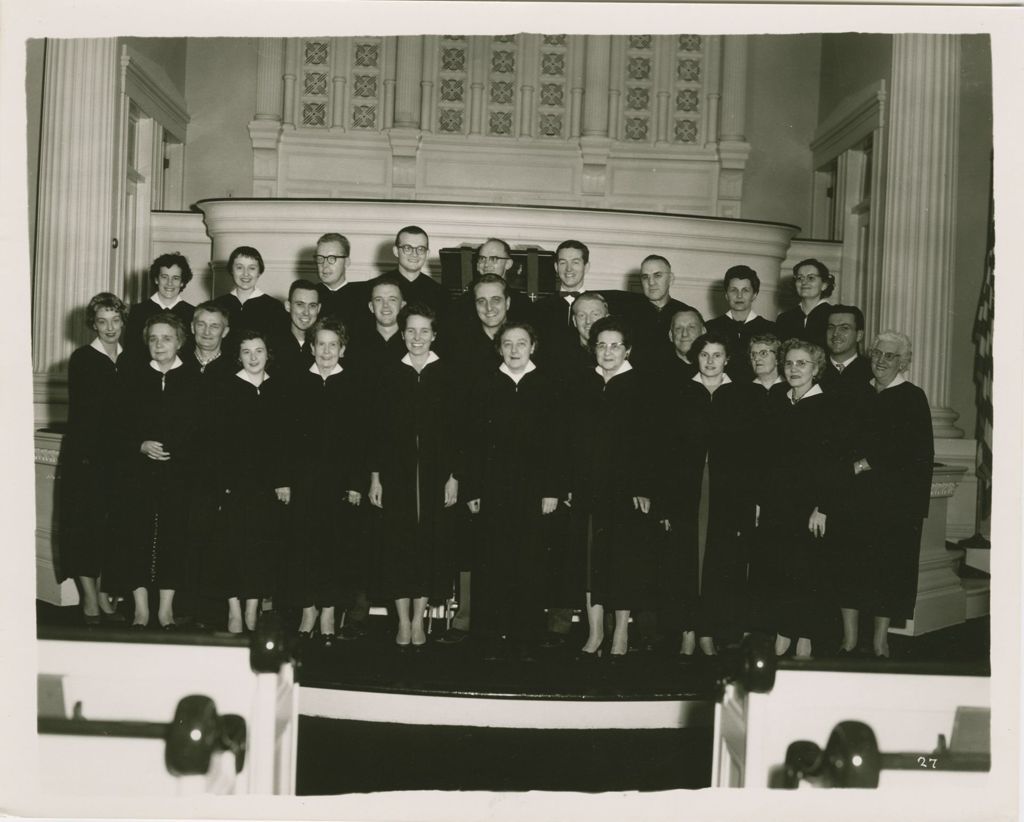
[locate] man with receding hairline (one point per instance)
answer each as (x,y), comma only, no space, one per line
(654,313)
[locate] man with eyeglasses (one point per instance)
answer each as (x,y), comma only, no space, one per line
(410,249)
(741,322)
(494,256)
(338,298)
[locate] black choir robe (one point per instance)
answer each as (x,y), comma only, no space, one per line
(326,442)
(514,458)
(651,326)
(91,472)
(611,462)
(290,358)
(739,335)
(854,376)
(166,408)
(264,313)
(422,290)
(811,327)
(415,449)
(348,304)
(252,461)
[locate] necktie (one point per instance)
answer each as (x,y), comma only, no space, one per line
(840,367)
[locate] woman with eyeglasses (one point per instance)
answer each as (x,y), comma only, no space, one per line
(795,491)
(413,475)
(612,483)
(89,463)
(514,478)
(170,274)
(763,352)
(808,320)
(892,477)
(712,498)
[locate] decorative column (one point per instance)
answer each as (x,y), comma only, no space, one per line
(478,62)
(664,48)
(265,128)
(577,47)
(427,83)
(529,47)
(733,148)
(291,58)
(918,253)
(713,67)
(594,142)
(341,54)
(403,131)
(75,209)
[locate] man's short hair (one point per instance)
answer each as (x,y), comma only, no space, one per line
(504,245)
(166,261)
(410,229)
(417,310)
(211,307)
(827,277)
(858,315)
(166,317)
(688,310)
(485,279)
(104,300)
(590,296)
(332,324)
(301,285)
(610,323)
(742,272)
(246,251)
(390,280)
(574,244)
(656,257)
(335,237)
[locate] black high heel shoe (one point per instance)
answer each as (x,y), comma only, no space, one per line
(595,655)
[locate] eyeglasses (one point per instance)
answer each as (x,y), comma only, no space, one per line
(884,356)
(806,278)
(763,353)
(413,249)
(798,363)
(614,347)
(490,260)
(330,259)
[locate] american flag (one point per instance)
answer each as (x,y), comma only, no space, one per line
(982,336)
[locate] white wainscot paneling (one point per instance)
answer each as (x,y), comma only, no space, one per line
(504,173)
(647,184)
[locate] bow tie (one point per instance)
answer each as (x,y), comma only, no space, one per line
(569,295)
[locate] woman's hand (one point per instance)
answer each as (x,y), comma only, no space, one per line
(816,524)
(376,491)
(451,492)
(860,466)
(567,502)
(643,504)
(154,450)
(353,497)
(283,495)
(666,524)
(474,506)
(757,515)
(548,505)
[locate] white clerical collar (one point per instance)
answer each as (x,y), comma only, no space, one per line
(431,357)
(820,301)
(255,293)
(156,299)
(336,370)
(99,347)
(249,378)
(813,391)
(338,288)
(844,363)
(622,369)
(176,364)
(698,377)
(751,315)
(899,378)
(504,369)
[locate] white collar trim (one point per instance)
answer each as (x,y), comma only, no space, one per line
(255,293)
(504,369)
(99,347)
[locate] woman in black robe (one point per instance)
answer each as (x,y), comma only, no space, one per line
(413,477)
(892,477)
(723,418)
(170,274)
(612,482)
(328,477)
(795,492)
(514,477)
(808,320)
(245,304)
(162,417)
(89,468)
(250,413)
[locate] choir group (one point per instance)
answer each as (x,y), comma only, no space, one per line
(599,452)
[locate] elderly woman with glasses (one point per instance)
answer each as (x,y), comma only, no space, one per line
(764,360)
(893,486)
(795,493)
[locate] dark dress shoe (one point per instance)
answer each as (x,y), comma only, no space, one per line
(170,626)
(92,619)
(453,636)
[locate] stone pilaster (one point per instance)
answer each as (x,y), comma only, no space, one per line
(75,209)
(918,246)
(407,81)
(733,148)
(265,128)
(595,99)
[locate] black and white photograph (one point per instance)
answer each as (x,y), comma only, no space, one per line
(474,411)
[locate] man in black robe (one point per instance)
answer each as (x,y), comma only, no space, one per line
(293,353)
(553,315)
(653,315)
(741,322)
(410,249)
(339,298)
(846,369)
(210,325)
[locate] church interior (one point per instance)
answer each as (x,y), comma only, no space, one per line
(871,152)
